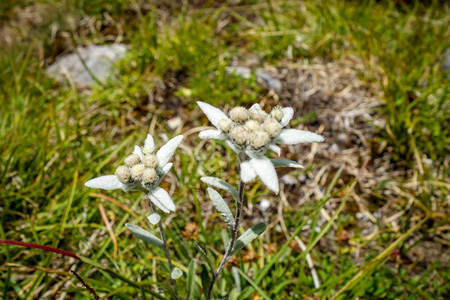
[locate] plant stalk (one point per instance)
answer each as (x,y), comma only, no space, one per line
(234,233)
(166,249)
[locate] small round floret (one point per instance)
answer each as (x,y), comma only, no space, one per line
(239,134)
(123,174)
(272,127)
(224,125)
(150,161)
(257,114)
(149,175)
(136,171)
(252,125)
(259,139)
(238,114)
(277,113)
(132,160)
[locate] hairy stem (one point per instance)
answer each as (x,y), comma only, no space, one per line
(234,233)
(166,248)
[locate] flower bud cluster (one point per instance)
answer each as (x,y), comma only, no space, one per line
(139,169)
(253,127)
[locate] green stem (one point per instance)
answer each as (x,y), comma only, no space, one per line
(166,249)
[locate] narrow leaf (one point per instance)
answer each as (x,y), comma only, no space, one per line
(190,282)
(145,235)
(282,162)
(248,236)
(205,256)
(220,184)
(222,207)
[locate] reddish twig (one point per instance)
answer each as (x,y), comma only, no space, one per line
(46,248)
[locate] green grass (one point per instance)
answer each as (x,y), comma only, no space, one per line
(55,138)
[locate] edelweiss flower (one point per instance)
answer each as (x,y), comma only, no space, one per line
(250,133)
(143,171)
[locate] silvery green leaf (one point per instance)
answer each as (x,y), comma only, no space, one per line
(222,207)
(220,184)
(248,236)
(176,273)
(145,235)
(282,162)
(161,198)
(154,218)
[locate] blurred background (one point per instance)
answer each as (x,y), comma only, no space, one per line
(82,82)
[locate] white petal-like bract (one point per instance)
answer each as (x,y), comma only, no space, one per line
(166,169)
(161,198)
(266,171)
(296,136)
(288,114)
(213,114)
(212,134)
(255,106)
(149,142)
(107,182)
(165,152)
(247,172)
(138,151)
(274,148)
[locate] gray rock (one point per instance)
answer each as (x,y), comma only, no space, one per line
(446,62)
(268,81)
(98,60)
(265,79)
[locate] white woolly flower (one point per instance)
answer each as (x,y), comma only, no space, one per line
(251,142)
(143,171)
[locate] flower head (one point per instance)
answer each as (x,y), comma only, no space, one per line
(143,171)
(250,133)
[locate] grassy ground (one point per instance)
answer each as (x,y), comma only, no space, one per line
(374,215)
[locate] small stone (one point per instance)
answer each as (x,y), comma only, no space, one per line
(264,204)
(137,171)
(289,179)
(268,81)
(149,175)
(123,174)
(174,123)
(272,127)
(150,161)
(244,72)
(238,114)
(97,60)
(132,160)
(333,148)
(224,125)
